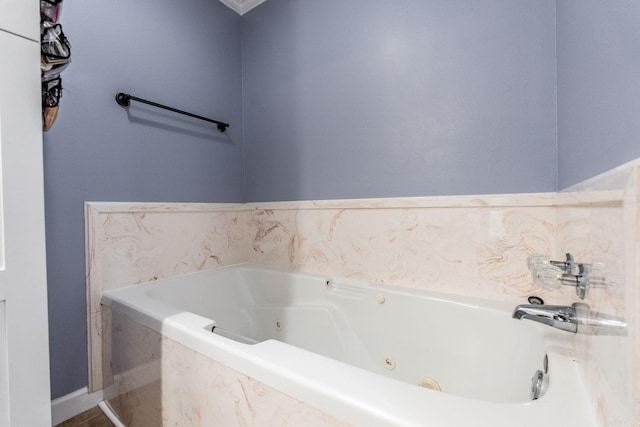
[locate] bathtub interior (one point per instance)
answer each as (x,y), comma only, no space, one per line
(466,347)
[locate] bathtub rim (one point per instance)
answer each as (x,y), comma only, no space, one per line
(357,401)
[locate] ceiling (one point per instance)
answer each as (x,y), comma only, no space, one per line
(242,6)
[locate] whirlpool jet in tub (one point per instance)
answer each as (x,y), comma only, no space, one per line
(368,354)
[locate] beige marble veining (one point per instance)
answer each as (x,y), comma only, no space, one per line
(132,378)
(632,271)
(595,235)
(128,244)
(471,245)
(604,235)
(213,394)
(466,245)
(159,382)
(479,251)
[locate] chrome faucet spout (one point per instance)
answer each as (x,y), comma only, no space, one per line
(576,318)
(558,316)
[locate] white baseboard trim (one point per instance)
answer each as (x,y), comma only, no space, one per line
(72,404)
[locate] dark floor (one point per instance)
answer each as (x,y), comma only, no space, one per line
(92,418)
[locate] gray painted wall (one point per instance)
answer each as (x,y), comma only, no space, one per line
(381,98)
(598,86)
(185,54)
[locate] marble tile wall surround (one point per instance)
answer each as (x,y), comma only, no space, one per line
(129,243)
(474,246)
(157,381)
(595,235)
(134,374)
(606,235)
(471,245)
(632,282)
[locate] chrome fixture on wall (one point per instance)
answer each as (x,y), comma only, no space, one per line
(577,318)
(551,275)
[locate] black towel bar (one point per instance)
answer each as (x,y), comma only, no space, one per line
(124,99)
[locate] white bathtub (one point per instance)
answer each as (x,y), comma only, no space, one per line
(358,351)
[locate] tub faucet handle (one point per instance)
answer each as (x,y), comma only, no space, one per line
(547,277)
(538,261)
(566,265)
(551,275)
